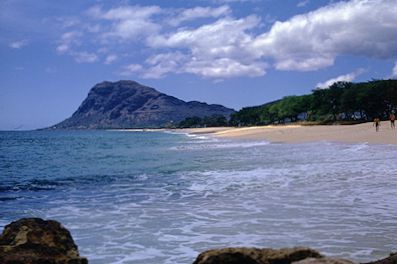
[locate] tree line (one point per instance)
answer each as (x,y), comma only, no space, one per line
(207,121)
(341,102)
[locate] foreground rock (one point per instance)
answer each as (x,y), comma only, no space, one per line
(255,256)
(36,241)
(324,261)
(392,259)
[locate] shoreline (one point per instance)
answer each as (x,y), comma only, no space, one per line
(359,133)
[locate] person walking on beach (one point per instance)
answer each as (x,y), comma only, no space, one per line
(392,119)
(377,123)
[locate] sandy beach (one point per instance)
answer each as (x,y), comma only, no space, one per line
(361,133)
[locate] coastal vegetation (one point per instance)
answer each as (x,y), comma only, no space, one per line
(343,102)
(207,121)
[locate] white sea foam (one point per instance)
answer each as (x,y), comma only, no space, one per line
(357,147)
(303,204)
(195,136)
(208,144)
(175,132)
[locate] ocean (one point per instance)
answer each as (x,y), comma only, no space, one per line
(158,197)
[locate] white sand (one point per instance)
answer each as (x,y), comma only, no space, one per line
(361,133)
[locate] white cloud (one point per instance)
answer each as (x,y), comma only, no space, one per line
(131,69)
(165,63)
(394,73)
(111,58)
(342,78)
(222,36)
(18,44)
(68,39)
(62,48)
(303,3)
(199,12)
(225,68)
(68,22)
(128,22)
(226,46)
(312,41)
(203,50)
(220,49)
(303,43)
(85,57)
(306,64)
(162,64)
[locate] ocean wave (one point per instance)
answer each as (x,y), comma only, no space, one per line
(78,181)
(219,144)
(356,147)
(144,203)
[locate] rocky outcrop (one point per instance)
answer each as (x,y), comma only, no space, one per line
(36,241)
(297,255)
(255,256)
(392,259)
(128,104)
(324,261)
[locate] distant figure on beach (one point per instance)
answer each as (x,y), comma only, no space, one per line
(377,123)
(392,119)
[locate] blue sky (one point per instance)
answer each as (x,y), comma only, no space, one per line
(233,52)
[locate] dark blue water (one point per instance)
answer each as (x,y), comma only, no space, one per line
(155,197)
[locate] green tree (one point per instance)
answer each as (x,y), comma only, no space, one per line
(193,121)
(342,100)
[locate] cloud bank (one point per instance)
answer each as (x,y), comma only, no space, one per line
(212,43)
(312,41)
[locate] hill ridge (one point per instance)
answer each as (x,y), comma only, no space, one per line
(129,104)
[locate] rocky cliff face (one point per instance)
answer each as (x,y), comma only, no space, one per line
(128,104)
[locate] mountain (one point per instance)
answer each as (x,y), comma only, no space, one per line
(128,104)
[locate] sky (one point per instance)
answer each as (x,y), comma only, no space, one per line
(232,52)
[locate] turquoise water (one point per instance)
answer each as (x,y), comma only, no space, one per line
(135,197)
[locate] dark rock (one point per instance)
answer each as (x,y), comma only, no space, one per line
(36,241)
(255,256)
(128,104)
(324,261)
(392,259)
